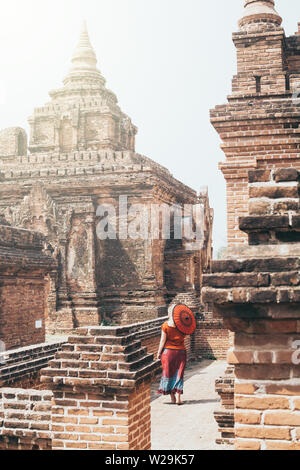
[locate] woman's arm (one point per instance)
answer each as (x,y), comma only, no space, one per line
(162,343)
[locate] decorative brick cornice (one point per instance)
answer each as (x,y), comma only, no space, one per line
(105,359)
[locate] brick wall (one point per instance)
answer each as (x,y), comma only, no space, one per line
(100,398)
(25,419)
(139,420)
(20,368)
(22,303)
(101,388)
(211,339)
(23,268)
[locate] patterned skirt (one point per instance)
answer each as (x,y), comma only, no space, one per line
(173,366)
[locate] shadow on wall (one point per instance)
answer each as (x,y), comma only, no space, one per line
(117,264)
(115,267)
(174,269)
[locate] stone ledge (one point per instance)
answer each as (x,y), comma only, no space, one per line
(242,296)
(265,222)
(261,265)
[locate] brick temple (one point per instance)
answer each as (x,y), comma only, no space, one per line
(81,155)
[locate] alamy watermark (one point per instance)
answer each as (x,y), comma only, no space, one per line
(296,96)
(151,222)
(2,351)
(296,354)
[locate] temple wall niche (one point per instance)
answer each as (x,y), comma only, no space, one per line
(44,132)
(80,255)
(66,136)
(13,142)
(77,253)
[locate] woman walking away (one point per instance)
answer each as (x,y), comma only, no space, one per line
(172,351)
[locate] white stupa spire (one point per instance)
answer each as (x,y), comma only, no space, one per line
(84,60)
(84,55)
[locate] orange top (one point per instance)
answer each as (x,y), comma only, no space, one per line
(175,339)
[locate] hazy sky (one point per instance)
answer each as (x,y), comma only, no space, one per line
(168,61)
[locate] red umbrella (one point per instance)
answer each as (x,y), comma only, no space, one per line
(184,319)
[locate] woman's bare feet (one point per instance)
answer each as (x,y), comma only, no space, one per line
(173,398)
(179,402)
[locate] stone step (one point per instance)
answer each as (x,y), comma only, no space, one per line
(24,354)
(24,368)
(147,359)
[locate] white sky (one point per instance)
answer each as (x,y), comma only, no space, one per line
(168,61)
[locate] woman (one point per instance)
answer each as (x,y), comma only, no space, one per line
(172,353)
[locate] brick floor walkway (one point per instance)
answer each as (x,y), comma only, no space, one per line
(191,426)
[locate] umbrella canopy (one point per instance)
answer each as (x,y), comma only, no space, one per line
(184,319)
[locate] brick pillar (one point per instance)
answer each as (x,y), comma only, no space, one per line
(257,292)
(265,316)
(101,386)
(252,137)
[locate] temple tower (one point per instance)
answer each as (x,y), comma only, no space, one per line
(259,126)
(84,114)
(81,160)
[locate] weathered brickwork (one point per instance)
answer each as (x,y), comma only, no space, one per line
(20,368)
(82,156)
(256,290)
(259,126)
(101,387)
(211,339)
(100,390)
(25,419)
(225,414)
(24,265)
(149,333)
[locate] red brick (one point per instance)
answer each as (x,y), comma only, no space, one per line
(282,418)
(241,444)
(283,445)
(258,403)
(255,432)
(247,417)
